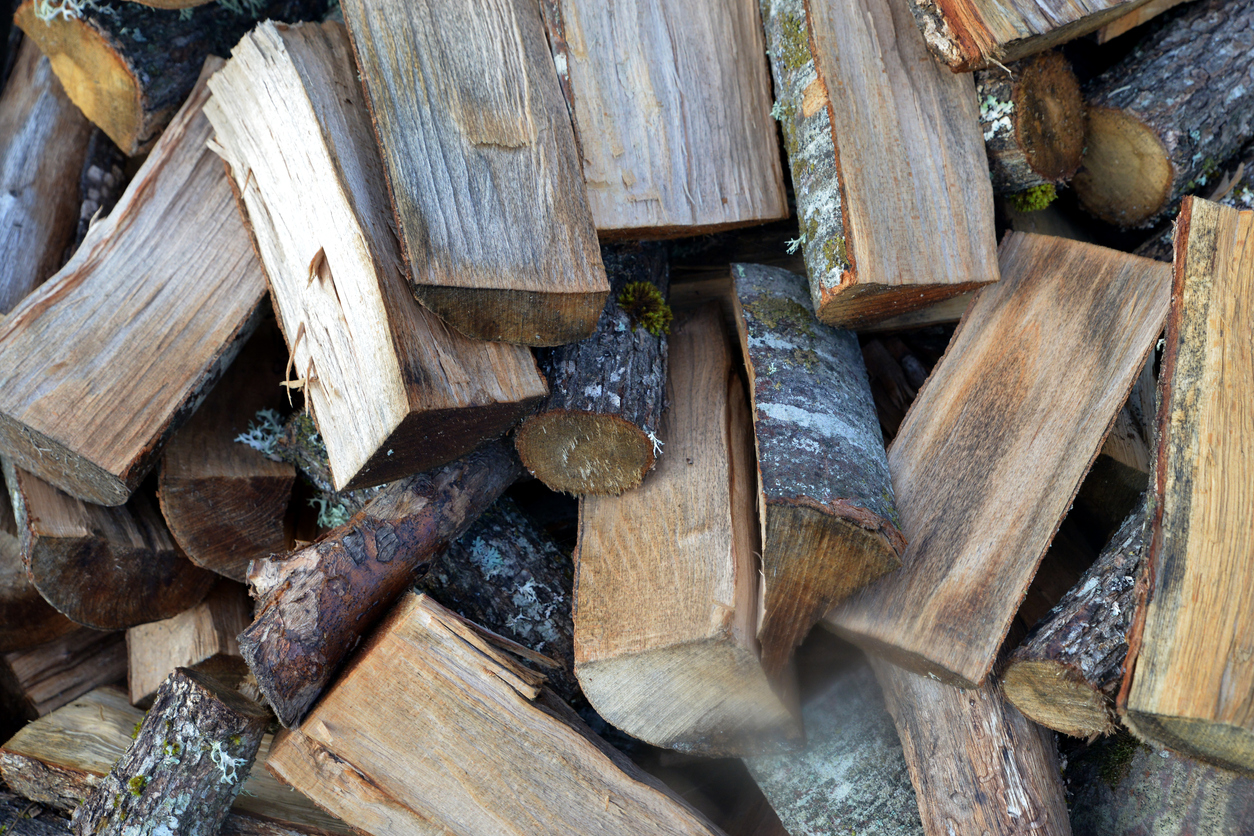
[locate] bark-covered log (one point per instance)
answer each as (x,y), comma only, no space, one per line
(17,818)
(1033,119)
(1133,19)
(596,433)
(41,679)
(825,496)
(188,762)
(129,67)
(315,604)
(1066,672)
(1163,119)
(100,183)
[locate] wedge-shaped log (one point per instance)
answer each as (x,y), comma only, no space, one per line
(314,605)
(57,761)
(105,360)
(825,496)
(995,447)
(894,209)
(394,392)
(486,721)
(483,166)
(667,590)
(26,619)
(1189,671)
(702,155)
(41,679)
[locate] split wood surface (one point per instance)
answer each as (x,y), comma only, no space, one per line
(667,590)
(1003,395)
(109,356)
(26,619)
(1190,673)
(486,721)
(482,166)
(702,155)
(39,680)
(825,496)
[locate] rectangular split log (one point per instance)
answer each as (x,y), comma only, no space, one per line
(393,390)
(996,445)
(1190,670)
(39,680)
(482,165)
(108,357)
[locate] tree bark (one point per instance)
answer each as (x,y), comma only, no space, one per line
(18,819)
(100,184)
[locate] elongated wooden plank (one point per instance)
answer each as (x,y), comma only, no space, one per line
(393,390)
(994,448)
(701,155)
(109,356)
(482,166)
(1190,671)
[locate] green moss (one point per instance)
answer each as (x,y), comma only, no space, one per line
(137,784)
(835,256)
(645,305)
(1034,199)
(1116,759)
(236,740)
(794,43)
(135,731)
(781,313)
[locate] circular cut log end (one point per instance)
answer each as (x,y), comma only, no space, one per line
(25,617)
(1052,695)
(584,452)
(1050,118)
(1218,744)
(1127,174)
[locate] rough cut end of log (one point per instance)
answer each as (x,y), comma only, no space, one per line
(1053,695)
(599,453)
(522,317)
(1127,174)
(1049,117)
(854,304)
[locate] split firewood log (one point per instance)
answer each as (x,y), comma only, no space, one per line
(39,680)
(1141,14)
(26,619)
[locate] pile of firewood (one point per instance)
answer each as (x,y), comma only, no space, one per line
(452,417)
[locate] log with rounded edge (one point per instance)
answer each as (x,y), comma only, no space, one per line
(1127,175)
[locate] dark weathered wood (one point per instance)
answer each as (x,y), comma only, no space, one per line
(100,183)
(19,817)
(129,67)
(26,619)
(315,604)
(194,749)
(596,433)
(482,165)
(1179,105)
(106,568)
(830,522)
(41,679)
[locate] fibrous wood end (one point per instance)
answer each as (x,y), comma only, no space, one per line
(1050,117)
(1048,693)
(1127,174)
(585,453)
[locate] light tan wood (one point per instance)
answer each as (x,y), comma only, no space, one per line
(58,759)
(1134,18)
(667,583)
(672,106)
(433,719)
(994,448)
(1190,667)
(202,637)
(393,389)
(483,167)
(111,354)
(1131,439)
(41,679)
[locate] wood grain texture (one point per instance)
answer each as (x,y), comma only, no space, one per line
(393,390)
(57,761)
(666,589)
(672,108)
(39,680)
(482,166)
(1190,671)
(43,142)
(109,356)
(26,619)
(994,448)
(486,721)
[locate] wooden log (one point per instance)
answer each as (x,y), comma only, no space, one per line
(1177,105)
(702,155)
(1189,672)
(39,680)
(873,250)
(1141,14)
(482,166)
(1034,120)
(19,819)
(596,433)
(971,34)
(393,391)
(105,568)
(26,619)
(852,776)
(667,596)
(1066,672)
(977,765)
(314,605)
(43,141)
(171,269)
(486,721)
(825,496)
(58,760)
(225,503)
(1131,439)
(129,67)
(201,638)
(187,763)
(1004,395)
(100,183)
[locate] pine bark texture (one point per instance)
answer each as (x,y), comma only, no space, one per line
(315,604)
(100,184)
(596,431)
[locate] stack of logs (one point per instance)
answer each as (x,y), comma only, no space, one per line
(461,413)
